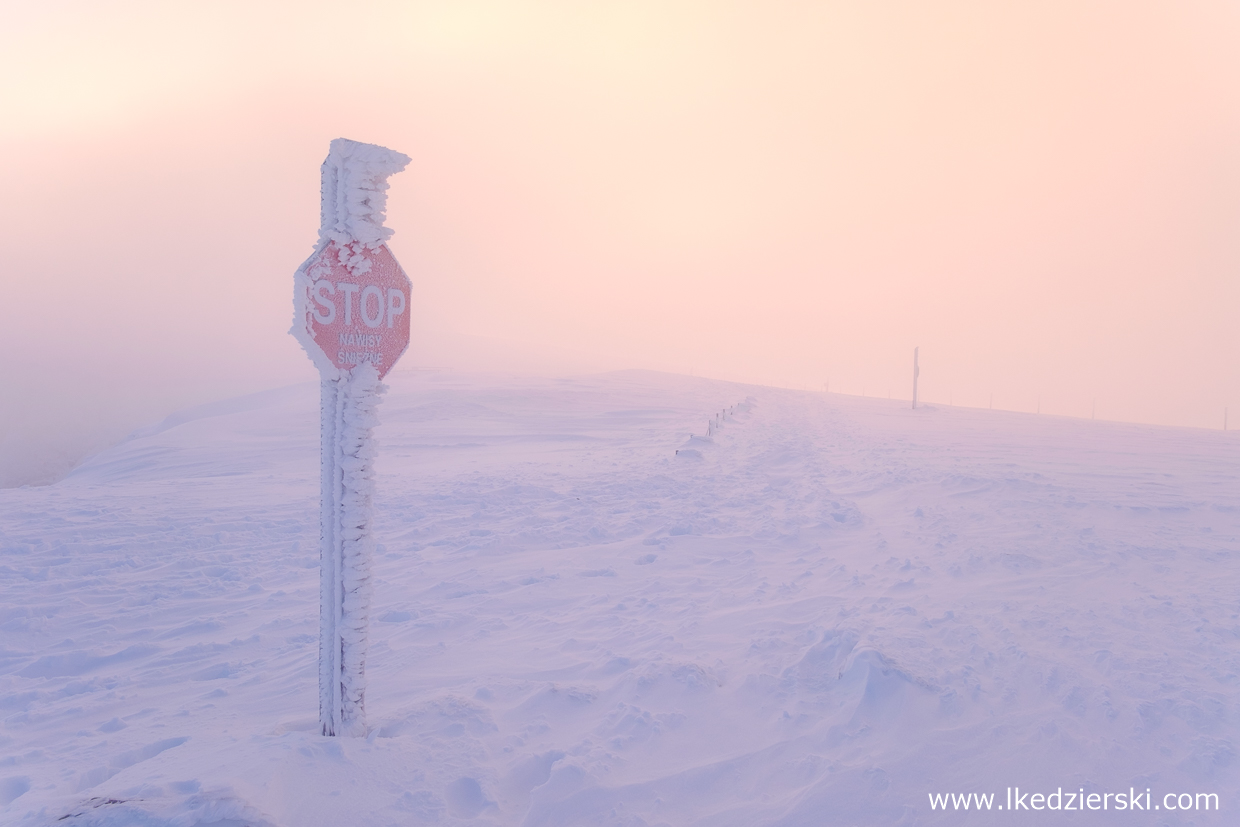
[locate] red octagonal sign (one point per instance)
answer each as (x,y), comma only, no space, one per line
(352,307)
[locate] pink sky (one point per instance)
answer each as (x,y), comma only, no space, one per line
(1043,196)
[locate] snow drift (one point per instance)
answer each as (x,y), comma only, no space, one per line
(838,609)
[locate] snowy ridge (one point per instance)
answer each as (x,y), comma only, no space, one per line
(842,606)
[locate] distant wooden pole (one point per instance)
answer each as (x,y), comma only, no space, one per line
(916,373)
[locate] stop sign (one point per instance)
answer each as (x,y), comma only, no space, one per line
(352,307)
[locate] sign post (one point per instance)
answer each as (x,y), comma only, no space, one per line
(351,314)
(916,373)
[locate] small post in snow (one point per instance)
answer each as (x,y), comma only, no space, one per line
(351,301)
(916,373)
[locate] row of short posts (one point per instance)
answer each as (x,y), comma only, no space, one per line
(716,422)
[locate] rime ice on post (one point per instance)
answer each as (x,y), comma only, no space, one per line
(351,301)
(916,373)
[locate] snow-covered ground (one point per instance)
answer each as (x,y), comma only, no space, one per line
(829,611)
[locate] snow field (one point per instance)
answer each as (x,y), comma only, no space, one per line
(819,614)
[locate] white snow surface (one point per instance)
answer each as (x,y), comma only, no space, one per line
(822,613)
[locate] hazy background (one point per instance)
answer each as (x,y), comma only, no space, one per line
(1043,195)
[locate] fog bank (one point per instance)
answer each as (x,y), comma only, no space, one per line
(1044,197)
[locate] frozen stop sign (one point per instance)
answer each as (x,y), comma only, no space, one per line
(355,308)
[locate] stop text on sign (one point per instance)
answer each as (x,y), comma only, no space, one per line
(391,306)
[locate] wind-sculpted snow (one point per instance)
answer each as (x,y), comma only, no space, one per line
(836,607)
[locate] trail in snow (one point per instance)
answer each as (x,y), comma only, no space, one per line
(821,613)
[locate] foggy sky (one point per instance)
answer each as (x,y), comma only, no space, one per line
(1043,196)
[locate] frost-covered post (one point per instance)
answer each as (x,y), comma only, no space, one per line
(350,300)
(916,373)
